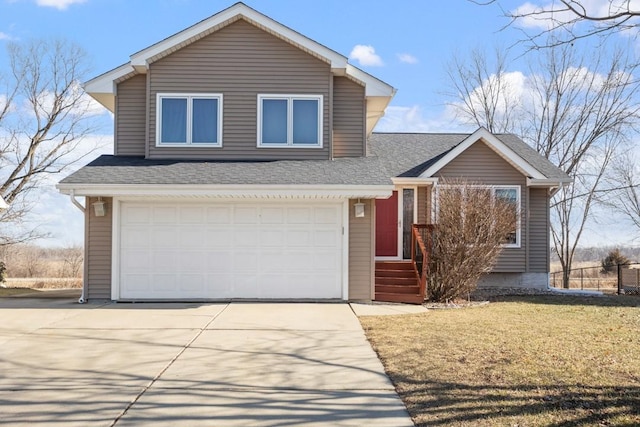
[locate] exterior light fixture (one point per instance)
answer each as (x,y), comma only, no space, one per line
(99,207)
(359,209)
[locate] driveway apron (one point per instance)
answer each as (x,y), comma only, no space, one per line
(193,365)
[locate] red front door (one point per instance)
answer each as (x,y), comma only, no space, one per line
(387,226)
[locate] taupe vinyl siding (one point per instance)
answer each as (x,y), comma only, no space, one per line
(361,250)
(348,118)
(480,164)
(98,241)
(424,208)
(538,230)
(130,117)
(240,61)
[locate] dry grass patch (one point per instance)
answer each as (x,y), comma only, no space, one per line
(524,361)
(9,292)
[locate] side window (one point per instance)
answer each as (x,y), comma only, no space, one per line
(189,120)
(290,121)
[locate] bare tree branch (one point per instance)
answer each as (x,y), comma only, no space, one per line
(44,118)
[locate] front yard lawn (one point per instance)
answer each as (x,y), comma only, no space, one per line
(521,361)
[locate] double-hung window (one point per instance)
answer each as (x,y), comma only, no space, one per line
(189,120)
(508,194)
(290,121)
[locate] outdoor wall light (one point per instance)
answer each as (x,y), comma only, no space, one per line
(359,209)
(99,207)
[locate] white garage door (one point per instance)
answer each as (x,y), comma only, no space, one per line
(183,251)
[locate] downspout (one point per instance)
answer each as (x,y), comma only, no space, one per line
(77,204)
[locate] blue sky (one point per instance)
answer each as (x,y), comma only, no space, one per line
(404,42)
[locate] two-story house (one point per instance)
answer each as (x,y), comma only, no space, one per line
(245,166)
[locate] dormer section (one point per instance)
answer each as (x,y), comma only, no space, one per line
(240,86)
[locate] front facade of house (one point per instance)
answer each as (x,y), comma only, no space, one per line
(241,151)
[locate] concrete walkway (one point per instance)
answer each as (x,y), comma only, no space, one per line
(237,364)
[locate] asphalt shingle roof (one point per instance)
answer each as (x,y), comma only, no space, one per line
(394,155)
(109,169)
(410,154)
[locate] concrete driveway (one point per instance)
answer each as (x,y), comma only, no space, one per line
(233,364)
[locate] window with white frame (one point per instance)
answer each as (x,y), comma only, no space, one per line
(290,121)
(189,119)
(509,194)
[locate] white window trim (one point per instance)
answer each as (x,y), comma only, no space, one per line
(190,97)
(493,188)
(290,98)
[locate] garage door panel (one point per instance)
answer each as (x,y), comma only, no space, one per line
(272,215)
(171,250)
(326,238)
(191,237)
(299,215)
(218,237)
(272,237)
(164,236)
(135,237)
(135,260)
(219,215)
(245,215)
(326,216)
(165,215)
(219,261)
(192,215)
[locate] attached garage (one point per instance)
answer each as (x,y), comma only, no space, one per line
(177,250)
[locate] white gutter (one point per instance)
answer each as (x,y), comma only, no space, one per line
(231,191)
(77,204)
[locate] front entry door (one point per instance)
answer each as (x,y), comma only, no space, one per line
(387,226)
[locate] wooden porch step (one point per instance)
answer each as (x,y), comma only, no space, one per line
(397,289)
(404,298)
(400,281)
(396,273)
(394,265)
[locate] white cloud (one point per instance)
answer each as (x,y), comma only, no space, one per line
(412,119)
(407,58)
(59,4)
(366,56)
(5,36)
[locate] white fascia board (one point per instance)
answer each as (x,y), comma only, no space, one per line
(373,86)
(548,182)
(103,87)
(494,143)
(141,58)
(414,181)
(230,191)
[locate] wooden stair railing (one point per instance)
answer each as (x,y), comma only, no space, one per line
(421,244)
(405,280)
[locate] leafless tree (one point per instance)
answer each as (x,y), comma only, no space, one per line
(45,118)
(575,110)
(72,259)
(571,20)
(472,225)
(625,180)
(483,89)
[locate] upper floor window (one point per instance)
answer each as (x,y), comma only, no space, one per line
(290,121)
(189,119)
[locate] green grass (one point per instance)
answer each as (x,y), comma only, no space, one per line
(526,361)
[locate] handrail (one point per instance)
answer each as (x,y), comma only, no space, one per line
(420,252)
